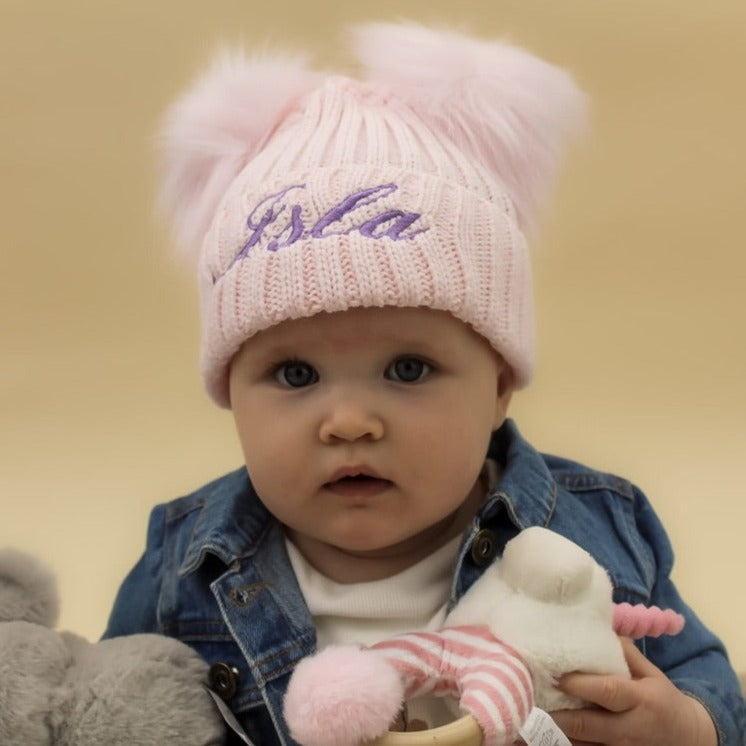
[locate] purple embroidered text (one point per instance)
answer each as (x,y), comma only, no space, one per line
(278,221)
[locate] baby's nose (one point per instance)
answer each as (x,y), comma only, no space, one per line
(350,421)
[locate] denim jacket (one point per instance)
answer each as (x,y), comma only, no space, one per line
(215,574)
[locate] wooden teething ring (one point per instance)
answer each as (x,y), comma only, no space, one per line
(462,732)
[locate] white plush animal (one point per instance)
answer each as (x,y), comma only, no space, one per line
(544,609)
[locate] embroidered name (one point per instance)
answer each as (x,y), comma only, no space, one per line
(279,220)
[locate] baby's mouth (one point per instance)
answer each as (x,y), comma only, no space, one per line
(363,485)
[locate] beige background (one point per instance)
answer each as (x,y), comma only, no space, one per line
(640,271)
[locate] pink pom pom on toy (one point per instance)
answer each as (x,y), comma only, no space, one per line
(643,621)
(342,697)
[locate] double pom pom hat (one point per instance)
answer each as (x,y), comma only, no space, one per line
(413,184)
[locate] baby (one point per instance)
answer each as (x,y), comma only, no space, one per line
(367,314)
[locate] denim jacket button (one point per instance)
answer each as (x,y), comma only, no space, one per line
(484,548)
(223,680)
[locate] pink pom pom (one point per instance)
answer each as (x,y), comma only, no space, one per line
(342,697)
(643,621)
(216,127)
(509,109)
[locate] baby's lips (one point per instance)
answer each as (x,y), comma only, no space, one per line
(354,470)
(359,485)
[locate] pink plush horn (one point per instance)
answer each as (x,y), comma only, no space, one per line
(646,621)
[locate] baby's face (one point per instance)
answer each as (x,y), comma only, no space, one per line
(364,431)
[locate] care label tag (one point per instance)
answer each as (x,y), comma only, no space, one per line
(540,730)
(230,718)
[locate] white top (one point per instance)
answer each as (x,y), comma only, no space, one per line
(364,613)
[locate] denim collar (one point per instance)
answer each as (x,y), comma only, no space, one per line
(526,489)
(233,520)
(231,523)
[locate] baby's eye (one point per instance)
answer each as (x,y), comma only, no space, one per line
(295,374)
(408,370)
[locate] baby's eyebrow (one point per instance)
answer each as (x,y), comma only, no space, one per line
(395,342)
(264,354)
(415,344)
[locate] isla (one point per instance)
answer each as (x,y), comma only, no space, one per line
(277,221)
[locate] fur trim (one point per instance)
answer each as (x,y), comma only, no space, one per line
(217,127)
(506,108)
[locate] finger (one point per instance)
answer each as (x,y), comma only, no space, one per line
(610,692)
(585,726)
(639,666)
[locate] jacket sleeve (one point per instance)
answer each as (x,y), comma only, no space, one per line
(135,607)
(695,660)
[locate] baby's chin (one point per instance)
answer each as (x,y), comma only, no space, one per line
(363,554)
(371,545)
(403,549)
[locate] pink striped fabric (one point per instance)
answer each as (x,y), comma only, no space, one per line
(467,663)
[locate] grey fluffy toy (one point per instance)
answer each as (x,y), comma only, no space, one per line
(58,688)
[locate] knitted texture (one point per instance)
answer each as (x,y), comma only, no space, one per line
(401,189)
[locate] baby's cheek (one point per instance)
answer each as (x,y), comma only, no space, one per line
(279,485)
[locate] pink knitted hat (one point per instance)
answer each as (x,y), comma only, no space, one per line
(411,186)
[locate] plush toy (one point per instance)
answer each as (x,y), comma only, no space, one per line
(57,688)
(544,609)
